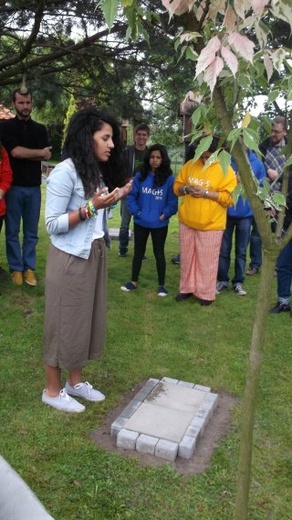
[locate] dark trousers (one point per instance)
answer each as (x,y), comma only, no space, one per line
(284,273)
(158,236)
(124,227)
(255,246)
(241,226)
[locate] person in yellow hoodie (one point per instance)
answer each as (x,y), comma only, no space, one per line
(207,192)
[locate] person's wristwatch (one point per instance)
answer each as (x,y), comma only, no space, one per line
(186,190)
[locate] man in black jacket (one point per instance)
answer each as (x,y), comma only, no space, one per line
(27,145)
(135,156)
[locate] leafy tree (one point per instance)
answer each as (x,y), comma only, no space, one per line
(238,49)
(65,49)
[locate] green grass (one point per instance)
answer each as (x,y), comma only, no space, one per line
(147,337)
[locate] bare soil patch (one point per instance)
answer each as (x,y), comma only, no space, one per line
(217,428)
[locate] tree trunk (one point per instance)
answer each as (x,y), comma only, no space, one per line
(251,388)
(271,250)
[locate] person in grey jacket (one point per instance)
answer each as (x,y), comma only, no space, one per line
(79,191)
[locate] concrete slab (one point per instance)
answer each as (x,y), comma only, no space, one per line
(165,418)
(114,233)
(165,423)
(176,397)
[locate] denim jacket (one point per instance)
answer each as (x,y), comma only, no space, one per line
(65,193)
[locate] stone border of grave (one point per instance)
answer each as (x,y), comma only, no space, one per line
(168,450)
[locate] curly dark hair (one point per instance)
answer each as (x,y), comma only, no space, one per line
(163,172)
(79,146)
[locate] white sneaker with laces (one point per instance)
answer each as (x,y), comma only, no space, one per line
(162,291)
(63,402)
(84,390)
(239,290)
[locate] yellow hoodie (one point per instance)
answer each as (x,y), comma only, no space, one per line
(203,213)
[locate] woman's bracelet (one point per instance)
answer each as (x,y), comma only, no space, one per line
(81,217)
(89,211)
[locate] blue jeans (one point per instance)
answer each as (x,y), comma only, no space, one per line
(284,273)
(22,202)
(255,247)
(124,228)
(242,234)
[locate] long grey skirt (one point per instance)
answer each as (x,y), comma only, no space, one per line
(75,307)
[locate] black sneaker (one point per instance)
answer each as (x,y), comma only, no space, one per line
(205,303)
(176,260)
(122,255)
(129,286)
(183,296)
(162,291)
(280,307)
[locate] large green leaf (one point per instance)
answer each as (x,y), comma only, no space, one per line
(203,146)
(109,9)
(225,160)
(251,139)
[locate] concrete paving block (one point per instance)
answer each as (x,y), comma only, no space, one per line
(185,383)
(202,388)
(204,412)
(151,383)
(212,399)
(131,408)
(199,424)
(186,447)
(169,380)
(146,444)
(193,431)
(127,439)
(117,425)
(143,393)
(166,450)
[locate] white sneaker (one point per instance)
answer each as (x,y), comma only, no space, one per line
(84,390)
(63,402)
(221,286)
(239,290)
(162,291)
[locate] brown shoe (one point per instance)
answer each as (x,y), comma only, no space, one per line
(252,270)
(29,277)
(16,277)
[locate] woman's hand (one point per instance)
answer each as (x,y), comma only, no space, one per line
(125,190)
(103,199)
(196,191)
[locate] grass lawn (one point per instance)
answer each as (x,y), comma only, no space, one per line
(147,337)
